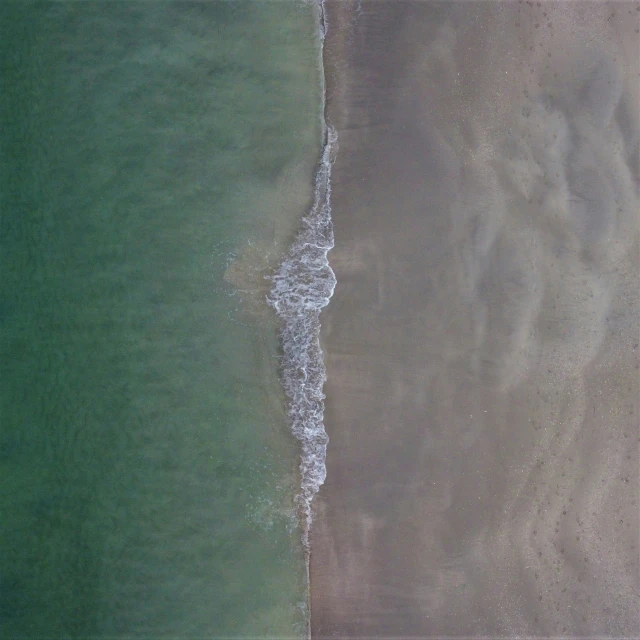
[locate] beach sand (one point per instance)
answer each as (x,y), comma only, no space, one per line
(482,342)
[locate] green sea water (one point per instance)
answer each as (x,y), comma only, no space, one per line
(155,158)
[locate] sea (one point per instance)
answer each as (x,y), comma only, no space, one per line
(156,159)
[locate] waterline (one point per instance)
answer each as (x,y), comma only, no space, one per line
(302,287)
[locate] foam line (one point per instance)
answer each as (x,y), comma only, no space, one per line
(302,287)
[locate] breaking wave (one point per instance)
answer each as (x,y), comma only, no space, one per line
(302,287)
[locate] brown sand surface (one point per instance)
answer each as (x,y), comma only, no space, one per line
(482,342)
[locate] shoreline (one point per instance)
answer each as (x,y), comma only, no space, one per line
(301,287)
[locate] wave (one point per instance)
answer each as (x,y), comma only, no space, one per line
(302,287)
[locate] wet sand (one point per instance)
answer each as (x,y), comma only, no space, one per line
(482,342)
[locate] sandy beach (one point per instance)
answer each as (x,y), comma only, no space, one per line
(482,354)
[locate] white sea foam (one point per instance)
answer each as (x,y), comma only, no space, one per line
(302,287)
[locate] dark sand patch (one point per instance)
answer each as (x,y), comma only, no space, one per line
(482,342)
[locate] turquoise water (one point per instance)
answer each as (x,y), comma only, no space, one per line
(155,159)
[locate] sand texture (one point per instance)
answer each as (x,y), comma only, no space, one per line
(482,342)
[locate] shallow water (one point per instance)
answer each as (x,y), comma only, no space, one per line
(156,158)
